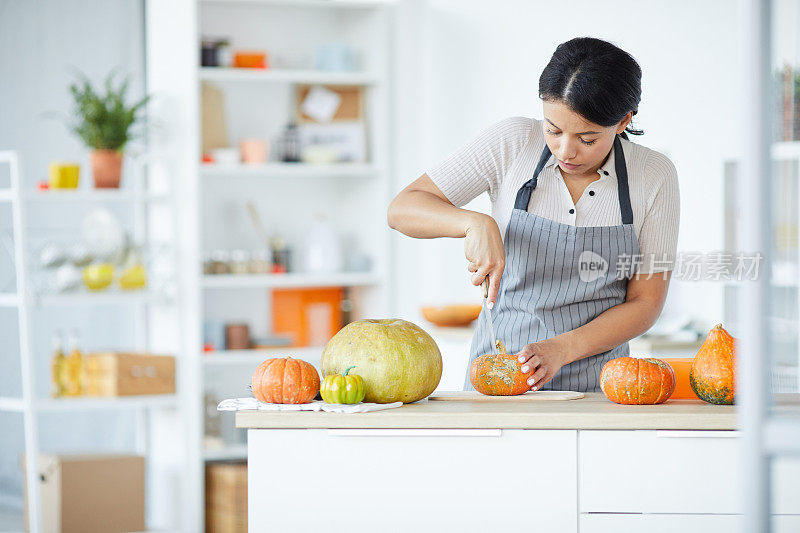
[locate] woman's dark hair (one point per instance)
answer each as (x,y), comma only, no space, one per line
(595,79)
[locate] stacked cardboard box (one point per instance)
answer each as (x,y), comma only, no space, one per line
(91,493)
(128,374)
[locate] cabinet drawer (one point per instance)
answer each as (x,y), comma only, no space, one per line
(669,523)
(408,480)
(672,472)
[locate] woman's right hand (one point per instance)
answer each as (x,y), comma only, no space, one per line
(483,247)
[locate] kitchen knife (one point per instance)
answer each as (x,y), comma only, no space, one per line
(487,311)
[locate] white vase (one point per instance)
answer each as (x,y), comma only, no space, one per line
(324,249)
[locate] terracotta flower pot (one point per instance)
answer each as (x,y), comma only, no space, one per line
(106,168)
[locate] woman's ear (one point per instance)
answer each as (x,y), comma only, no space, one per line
(624,122)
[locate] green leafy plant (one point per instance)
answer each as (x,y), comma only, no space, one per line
(104,121)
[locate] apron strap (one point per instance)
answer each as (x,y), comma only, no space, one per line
(524,192)
(622,182)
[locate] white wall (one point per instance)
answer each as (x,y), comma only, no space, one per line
(468,63)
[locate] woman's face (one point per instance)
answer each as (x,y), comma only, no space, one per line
(580,146)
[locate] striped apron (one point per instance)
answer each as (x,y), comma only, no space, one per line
(559,277)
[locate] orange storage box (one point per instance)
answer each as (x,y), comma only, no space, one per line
(246,59)
(682,367)
(310,316)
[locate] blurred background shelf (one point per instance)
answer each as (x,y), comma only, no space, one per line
(82,403)
(8,299)
(98,403)
(786,150)
(93,195)
(11,404)
(220,74)
(228,453)
(341,4)
(290,170)
(246,281)
(109,296)
(311,354)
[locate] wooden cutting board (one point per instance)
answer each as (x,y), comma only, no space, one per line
(538,396)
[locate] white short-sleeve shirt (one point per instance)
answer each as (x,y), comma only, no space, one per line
(503,157)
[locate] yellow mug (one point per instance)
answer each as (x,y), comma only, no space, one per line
(64,175)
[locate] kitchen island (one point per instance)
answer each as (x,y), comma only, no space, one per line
(579,465)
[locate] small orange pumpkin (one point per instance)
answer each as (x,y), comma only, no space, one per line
(713,374)
(498,374)
(635,381)
(285,380)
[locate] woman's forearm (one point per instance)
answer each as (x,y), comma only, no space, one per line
(423,215)
(611,328)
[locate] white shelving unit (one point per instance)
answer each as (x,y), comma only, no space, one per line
(258,103)
(782,271)
(34,401)
(766,434)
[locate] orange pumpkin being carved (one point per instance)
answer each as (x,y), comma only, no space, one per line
(635,381)
(285,380)
(713,373)
(498,374)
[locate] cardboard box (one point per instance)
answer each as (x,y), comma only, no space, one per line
(91,493)
(226,498)
(128,374)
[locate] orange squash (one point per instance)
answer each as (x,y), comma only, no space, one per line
(635,381)
(285,380)
(498,374)
(713,374)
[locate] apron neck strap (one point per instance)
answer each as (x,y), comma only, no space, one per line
(622,182)
(524,193)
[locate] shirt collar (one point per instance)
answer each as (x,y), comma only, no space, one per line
(607,169)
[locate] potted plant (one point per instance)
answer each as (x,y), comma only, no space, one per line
(104,122)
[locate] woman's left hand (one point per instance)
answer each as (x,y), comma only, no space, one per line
(543,360)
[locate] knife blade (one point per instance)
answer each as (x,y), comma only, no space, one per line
(487,311)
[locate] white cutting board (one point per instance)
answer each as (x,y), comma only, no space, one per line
(542,395)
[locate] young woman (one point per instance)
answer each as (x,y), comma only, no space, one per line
(582,220)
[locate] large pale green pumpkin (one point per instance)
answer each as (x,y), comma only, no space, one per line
(398,360)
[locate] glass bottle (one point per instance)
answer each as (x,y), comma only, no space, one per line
(74,367)
(290,142)
(58,366)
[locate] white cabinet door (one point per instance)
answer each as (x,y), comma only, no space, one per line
(671,523)
(412,480)
(658,472)
(672,472)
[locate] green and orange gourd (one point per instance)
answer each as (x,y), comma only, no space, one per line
(713,374)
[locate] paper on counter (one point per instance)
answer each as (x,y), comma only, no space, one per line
(251,404)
